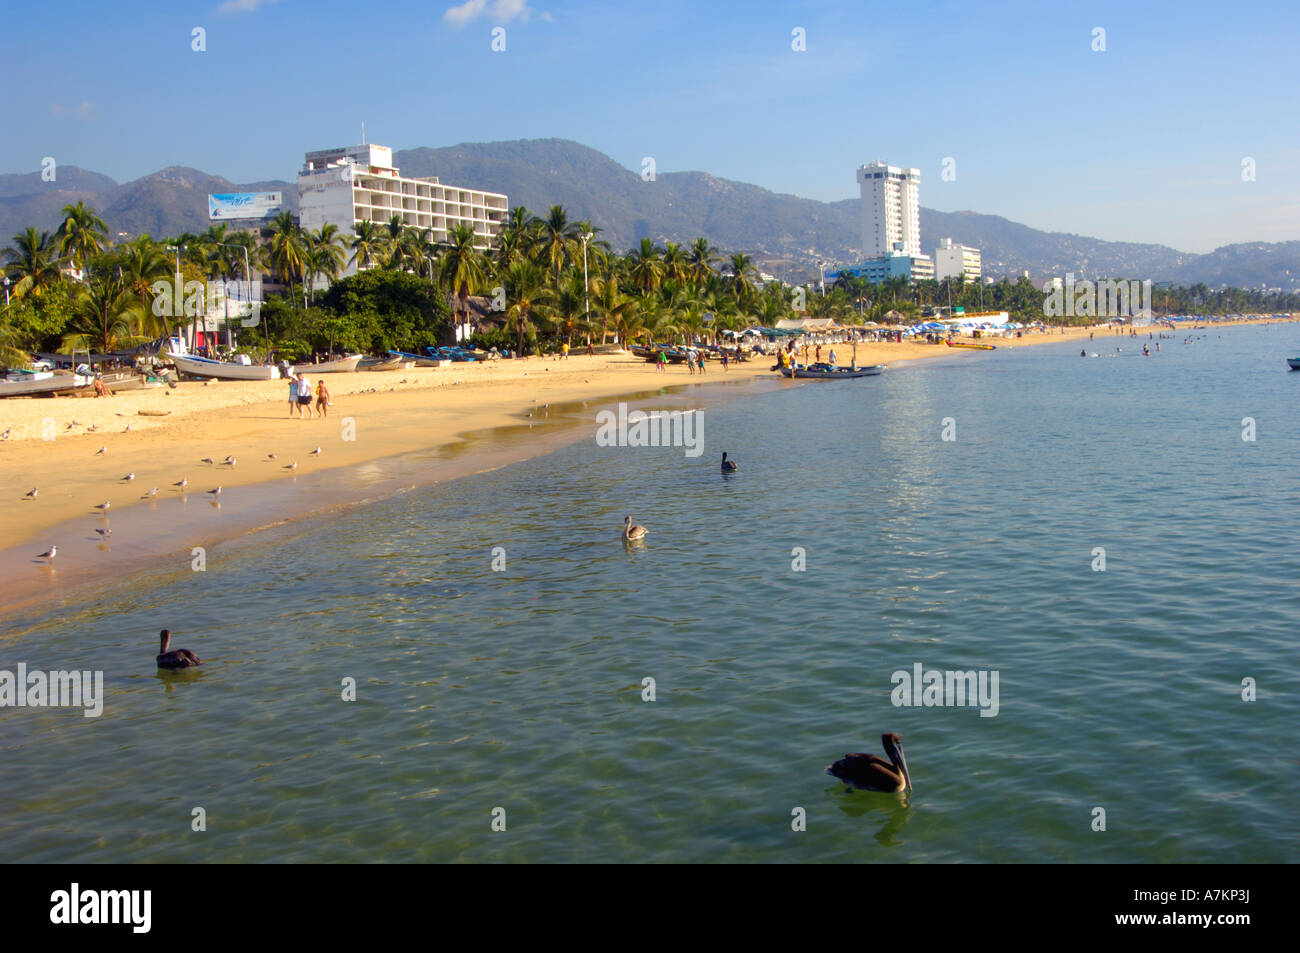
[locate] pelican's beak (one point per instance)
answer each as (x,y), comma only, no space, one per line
(902,764)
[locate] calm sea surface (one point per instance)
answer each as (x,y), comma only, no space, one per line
(522,689)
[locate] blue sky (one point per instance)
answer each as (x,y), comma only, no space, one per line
(1142,142)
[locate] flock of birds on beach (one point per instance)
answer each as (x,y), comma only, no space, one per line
(179,485)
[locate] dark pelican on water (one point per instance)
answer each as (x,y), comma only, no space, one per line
(728,466)
(177,658)
(871,773)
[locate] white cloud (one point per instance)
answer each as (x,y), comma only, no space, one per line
(242,6)
(502,11)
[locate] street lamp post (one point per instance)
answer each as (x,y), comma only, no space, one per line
(248,279)
(821,269)
(178,292)
(586,302)
(6,291)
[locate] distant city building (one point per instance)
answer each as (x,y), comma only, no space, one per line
(897,264)
(891,210)
(951,260)
(360,183)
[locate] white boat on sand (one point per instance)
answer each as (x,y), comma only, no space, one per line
(225,370)
(342,365)
(20,383)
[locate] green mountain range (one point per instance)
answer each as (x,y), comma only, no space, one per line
(786,235)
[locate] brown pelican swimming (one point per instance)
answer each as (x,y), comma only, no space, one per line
(632,530)
(177,658)
(871,773)
(728,466)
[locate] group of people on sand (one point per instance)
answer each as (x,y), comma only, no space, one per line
(300,396)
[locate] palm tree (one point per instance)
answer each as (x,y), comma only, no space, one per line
(323,254)
(287,251)
(676,265)
(702,257)
(645,267)
(82,234)
(558,239)
(608,302)
(527,297)
(570,315)
(102,312)
(34,260)
(368,246)
(464,268)
(142,262)
(742,270)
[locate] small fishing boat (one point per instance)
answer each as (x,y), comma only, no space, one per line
(223,370)
(824,372)
(384,364)
(1293,363)
(343,365)
(24,383)
(973,347)
(419,360)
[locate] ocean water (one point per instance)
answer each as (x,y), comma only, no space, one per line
(522,690)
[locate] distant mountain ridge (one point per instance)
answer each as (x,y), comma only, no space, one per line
(785,234)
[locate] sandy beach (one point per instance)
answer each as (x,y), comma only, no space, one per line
(53,448)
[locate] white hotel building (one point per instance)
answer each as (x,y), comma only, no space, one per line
(890,210)
(359,183)
(951,260)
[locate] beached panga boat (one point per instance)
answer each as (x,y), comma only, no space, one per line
(21,383)
(1293,363)
(343,365)
(419,360)
(385,364)
(974,347)
(824,372)
(224,370)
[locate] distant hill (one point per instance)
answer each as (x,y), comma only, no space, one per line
(785,234)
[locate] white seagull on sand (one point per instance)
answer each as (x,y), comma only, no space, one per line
(31,494)
(49,553)
(103,506)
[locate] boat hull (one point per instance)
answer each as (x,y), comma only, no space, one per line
(974,347)
(837,374)
(344,365)
(223,370)
(1293,363)
(40,386)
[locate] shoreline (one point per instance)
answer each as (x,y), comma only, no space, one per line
(427,426)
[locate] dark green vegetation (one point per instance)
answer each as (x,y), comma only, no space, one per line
(529,292)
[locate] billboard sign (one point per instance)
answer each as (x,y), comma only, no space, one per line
(230,205)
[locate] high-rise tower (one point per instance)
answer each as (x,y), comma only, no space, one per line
(890,210)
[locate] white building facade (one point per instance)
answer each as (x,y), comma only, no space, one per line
(360,183)
(890,209)
(951,260)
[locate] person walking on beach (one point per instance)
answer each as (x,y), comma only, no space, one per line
(564,351)
(819,353)
(304,395)
(831,357)
(591,348)
(724,359)
(662,363)
(322,399)
(293,392)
